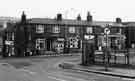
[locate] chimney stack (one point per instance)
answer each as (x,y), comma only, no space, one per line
(23,17)
(89,17)
(59,17)
(79,17)
(118,20)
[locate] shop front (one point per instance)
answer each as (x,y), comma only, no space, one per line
(115,42)
(50,45)
(9,48)
(58,45)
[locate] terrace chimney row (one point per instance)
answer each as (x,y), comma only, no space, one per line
(89,17)
(59,17)
(79,17)
(118,20)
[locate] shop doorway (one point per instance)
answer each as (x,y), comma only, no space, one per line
(49,44)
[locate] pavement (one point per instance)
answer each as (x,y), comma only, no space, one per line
(65,54)
(116,70)
(46,69)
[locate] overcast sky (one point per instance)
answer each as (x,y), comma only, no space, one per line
(106,10)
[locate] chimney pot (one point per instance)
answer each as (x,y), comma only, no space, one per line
(89,17)
(59,17)
(23,17)
(118,20)
(79,17)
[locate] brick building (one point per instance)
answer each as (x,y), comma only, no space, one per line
(65,35)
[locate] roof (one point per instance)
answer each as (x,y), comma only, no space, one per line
(130,23)
(10,26)
(72,22)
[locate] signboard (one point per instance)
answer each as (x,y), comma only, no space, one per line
(106,41)
(107,31)
(9,42)
(60,39)
(88,37)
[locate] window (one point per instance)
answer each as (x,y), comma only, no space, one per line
(73,42)
(120,31)
(56,29)
(39,29)
(40,44)
(71,29)
(13,36)
(89,30)
(29,37)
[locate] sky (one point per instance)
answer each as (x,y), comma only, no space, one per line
(102,10)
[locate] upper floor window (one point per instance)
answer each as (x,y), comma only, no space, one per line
(71,29)
(89,30)
(39,29)
(13,37)
(56,29)
(120,31)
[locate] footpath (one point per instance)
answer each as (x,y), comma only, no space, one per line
(117,70)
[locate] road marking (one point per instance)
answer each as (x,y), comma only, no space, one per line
(128,79)
(59,79)
(28,71)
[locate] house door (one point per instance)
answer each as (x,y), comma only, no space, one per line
(49,44)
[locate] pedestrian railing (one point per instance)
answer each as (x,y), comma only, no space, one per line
(113,55)
(120,53)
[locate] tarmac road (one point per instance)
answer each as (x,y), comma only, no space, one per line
(46,69)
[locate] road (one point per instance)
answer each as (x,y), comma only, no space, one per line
(46,69)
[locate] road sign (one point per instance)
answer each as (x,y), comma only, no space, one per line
(107,31)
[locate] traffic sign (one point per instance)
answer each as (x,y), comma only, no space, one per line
(107,31)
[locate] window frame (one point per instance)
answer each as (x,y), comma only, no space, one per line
(40,29)
(38,41)
(89,30)
(72,29)
(56,29)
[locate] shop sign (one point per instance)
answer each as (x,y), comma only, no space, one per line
(60,39)
(88,37)
(9,42)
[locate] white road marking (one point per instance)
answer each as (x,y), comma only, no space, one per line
(59,79)
(70,78)
(28,71)
(128,79)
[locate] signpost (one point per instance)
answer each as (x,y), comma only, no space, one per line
(106,50)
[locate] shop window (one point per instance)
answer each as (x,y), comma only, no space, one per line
(39,29)
(71,29)
(60,45)
(40,44)
(56,29)
(89,30)
(73,42)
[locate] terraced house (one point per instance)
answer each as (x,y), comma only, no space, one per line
(42,35)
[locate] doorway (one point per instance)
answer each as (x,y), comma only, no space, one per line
(49,44)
